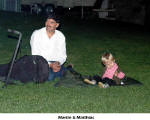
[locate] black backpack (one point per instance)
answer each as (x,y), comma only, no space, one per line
(29,68)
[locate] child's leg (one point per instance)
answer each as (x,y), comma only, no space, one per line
(93,80)
(106,82)
(97,78)
(110,82)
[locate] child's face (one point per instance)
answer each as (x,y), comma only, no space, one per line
(109,63)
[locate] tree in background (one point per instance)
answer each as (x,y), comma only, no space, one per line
(134,11)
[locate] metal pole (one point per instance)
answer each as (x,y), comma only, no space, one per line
(15,54)
(82,12)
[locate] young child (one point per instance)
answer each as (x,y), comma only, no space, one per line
(112,74)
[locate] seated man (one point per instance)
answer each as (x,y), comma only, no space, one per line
(50,43)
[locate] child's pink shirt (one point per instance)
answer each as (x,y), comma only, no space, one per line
(109,73)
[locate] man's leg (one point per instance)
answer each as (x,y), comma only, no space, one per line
(53,75)
(61,72)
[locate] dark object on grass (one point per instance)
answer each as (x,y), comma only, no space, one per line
(29,68)
(131,81)
(72,78)
(126,80)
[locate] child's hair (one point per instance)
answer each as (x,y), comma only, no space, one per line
(107,57)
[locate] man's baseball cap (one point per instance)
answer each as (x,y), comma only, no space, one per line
(54,17)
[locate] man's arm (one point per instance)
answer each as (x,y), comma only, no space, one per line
(62,51)
(56,66)
(34,44)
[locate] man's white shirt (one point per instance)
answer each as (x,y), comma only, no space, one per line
(52,49)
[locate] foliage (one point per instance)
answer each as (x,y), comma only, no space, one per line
(132,11)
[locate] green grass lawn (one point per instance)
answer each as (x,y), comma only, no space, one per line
(86,41)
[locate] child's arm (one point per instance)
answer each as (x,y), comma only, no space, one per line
(116,73)
(119,74)
(116,77)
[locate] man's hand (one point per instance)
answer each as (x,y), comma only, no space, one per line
(55,66)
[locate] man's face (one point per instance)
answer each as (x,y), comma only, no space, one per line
(51,25)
